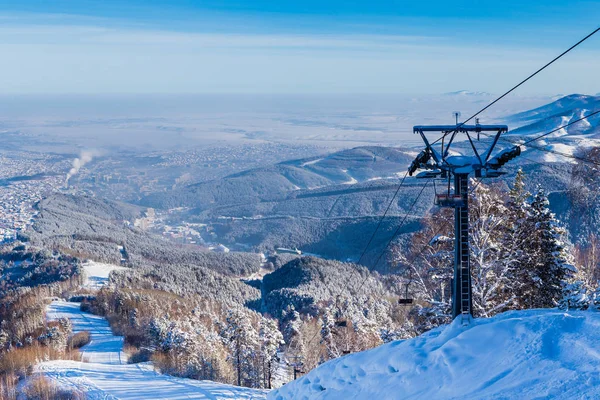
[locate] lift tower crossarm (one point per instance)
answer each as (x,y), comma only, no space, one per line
(459,128)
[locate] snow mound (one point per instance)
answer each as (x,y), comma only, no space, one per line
(519,354)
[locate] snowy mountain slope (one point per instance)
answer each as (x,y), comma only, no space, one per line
(139,382)
(550,117)
(561,105)
(276,182)
(104,373)
(558,113)
(533,354)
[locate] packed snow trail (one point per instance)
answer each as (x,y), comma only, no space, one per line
(104,347)
(104,373)
(533,354)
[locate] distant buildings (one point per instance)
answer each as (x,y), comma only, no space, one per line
(283,250)
(17,202)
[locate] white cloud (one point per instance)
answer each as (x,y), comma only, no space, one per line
(91,58)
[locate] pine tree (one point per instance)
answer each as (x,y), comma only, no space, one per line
(517,194)
(575,297)
(516,258)
(551,262)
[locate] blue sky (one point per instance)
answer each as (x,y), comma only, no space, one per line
(177,46)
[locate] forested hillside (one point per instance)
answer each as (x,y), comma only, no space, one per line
(313,216)
(276,182)
(103,231)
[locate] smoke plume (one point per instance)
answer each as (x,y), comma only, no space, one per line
(84,158)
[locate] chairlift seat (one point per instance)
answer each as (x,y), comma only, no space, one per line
(428,174)
(449,200)
(405,301)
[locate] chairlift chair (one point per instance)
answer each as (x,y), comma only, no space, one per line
(406,300)
(449,200)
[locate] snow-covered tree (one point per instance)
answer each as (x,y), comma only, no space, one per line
(426,269)
(519,256)
(270,341)
(158,331)
(54,337)
(327,321)
(4,339)
(517,260)
(588,262)
(242,340)
(575,297)
(489,221)
(552,264)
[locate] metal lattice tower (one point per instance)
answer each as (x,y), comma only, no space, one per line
(438,162)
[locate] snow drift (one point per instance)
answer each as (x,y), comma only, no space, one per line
(534,354)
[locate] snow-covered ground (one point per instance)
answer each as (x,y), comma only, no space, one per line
(104,347)
(534,354)
(104,374)
(96,274)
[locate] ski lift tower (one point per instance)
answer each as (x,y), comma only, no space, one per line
(439,161)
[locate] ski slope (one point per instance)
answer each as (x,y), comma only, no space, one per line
(104,347)
(533,354)
(96,273)
(105,374)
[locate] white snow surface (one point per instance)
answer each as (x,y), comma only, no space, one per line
(104,374)
(533,354)
(96,274)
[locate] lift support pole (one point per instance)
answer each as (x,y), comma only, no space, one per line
(438,162)
(461,291)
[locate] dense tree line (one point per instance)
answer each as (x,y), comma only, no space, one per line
(187,281)
(327,308)
(520,256)
(198,324)
(198,337)
(30,277)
